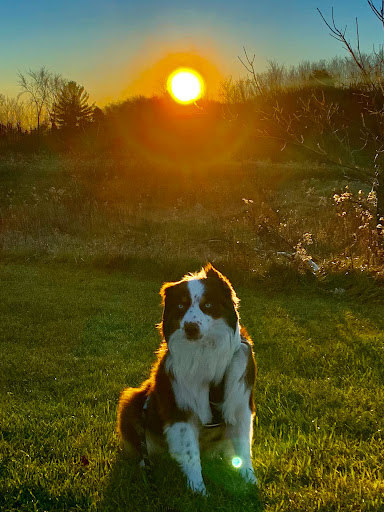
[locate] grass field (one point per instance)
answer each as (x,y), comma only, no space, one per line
(239,213)
(73,336)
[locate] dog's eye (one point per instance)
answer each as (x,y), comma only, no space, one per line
(207,305)
(180,306)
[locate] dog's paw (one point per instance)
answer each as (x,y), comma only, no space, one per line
(248,475)
(197,487)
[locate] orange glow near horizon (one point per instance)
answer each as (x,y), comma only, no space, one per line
(152,80)
(185,85)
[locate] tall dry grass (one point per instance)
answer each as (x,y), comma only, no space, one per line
(253,215)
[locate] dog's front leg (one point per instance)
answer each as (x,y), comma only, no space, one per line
(237,409)
(184,447)
(241,435)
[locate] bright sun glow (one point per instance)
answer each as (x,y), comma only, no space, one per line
(185,85)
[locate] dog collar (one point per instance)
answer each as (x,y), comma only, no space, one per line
(212,425)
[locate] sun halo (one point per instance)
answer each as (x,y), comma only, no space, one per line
(185,85)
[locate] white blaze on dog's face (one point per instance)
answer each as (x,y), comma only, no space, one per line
(200,323)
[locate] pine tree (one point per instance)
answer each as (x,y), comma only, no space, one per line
(71,110)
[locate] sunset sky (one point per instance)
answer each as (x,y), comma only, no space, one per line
(121,48)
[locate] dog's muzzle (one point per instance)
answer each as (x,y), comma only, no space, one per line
(192,330)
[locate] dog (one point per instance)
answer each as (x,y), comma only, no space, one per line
(200,390)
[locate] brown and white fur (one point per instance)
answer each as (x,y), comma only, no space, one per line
(204,374)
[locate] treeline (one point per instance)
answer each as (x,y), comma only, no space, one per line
(311,121)
(321,110)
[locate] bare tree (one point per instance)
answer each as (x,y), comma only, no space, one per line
(331,131)
(15,112)
(42,88)
(371,71)
(285,123)
(249,64)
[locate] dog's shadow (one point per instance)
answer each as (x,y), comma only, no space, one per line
(162,487)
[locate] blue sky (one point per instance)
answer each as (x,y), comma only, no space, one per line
(107,46)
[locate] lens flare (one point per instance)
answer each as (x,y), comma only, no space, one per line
(185,85)
(236,462)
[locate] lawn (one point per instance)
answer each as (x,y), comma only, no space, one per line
(73,336)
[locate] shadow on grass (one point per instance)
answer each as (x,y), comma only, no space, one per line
(162,488)
(31,497)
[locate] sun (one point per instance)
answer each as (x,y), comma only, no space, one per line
(185,85)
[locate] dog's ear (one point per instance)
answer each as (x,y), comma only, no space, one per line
(212,273)
(168,294)
(165,290)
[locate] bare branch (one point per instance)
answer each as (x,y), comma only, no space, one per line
(42,88)
(378,13)
(340,36)
(249,66)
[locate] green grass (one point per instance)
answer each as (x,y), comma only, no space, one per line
(72,337)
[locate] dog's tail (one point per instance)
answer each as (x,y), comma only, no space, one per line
(130,418)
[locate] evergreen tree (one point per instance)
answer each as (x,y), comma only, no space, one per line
(71,110)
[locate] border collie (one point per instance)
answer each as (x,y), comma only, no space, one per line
(200,391)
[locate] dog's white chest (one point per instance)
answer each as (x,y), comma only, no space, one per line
(193,396)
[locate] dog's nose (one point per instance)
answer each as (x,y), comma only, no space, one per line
(192,330)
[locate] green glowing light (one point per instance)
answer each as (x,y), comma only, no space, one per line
(236,462)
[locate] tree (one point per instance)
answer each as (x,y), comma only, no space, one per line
(71,109)
(371,73)
(350,138)
(42,87)
(321,77)
(13,112)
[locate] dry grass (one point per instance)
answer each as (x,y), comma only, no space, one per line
(251,215)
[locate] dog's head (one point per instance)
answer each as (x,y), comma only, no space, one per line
(199,309)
